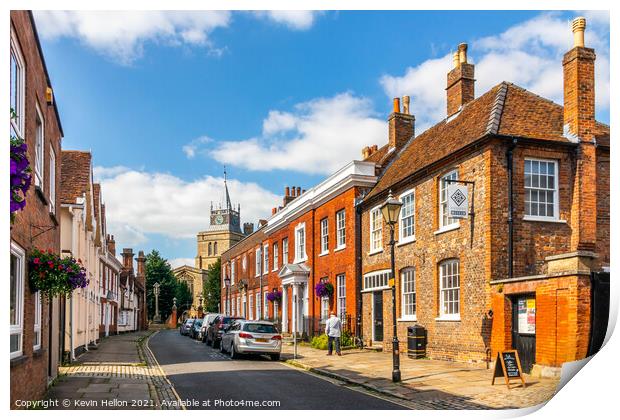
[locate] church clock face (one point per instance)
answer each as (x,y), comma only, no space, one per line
(219,219)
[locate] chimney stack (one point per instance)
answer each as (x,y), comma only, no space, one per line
(141,264)
(248,228)
(400,124)
(460,84)
(274,210)
(111,245)
(578,66)
(262,222)
(127,255)
(298,191)
(289,193)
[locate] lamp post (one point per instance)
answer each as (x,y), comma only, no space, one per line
(157,317)
(390,210)
(227,284)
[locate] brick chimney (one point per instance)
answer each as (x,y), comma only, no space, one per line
(460,85)
(248,228)
(111,245)
(127,255)
(289,195)
(141,263)
(262,222)
(579,125)
(578,66)
(400,125)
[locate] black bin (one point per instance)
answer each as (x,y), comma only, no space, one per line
(416,342)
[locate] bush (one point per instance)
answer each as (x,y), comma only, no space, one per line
(319,342)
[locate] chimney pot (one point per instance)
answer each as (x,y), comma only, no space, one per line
(397,105)
(455,60)
(365,152)
(579,28)
(406,101)
(287,192)
(462,53)
(274,211)
(460,82)
(298,191)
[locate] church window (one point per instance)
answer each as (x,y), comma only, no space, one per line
(215,248)
(209,250)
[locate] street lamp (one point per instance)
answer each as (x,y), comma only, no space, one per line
(390,211)
(227,284)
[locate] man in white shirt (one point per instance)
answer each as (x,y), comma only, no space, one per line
(333,328)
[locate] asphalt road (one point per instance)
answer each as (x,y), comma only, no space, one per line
(205,376)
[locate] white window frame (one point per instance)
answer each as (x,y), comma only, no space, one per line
(324,308)
(408,290)
(450,223)
(284,251)
(18,327)
(341,230)
(443,315)
(324,236)
(341,296)
(251,306)
(300,244)
(39,151)
(258,308)
(232,272)
(403,238)
(275,256)
(376,230)
(266,259)
(52,180)
(18,124)
(238,311)
(38,308)
(257,262)
(376,280)
(265,305)
(555,190)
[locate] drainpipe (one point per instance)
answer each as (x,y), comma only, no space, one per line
(358,270)
(509,159)
(72,298)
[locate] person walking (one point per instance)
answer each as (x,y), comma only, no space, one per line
(333,329)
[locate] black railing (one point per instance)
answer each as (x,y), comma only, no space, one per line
(313,326)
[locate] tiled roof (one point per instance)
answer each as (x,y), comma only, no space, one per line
(506,109)
(75,175)
(97,198)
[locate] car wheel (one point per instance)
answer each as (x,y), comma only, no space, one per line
(233,353)
(275,357)
(221,344)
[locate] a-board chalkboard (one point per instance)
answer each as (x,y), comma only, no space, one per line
(508,365)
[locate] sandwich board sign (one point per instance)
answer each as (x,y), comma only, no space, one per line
(508,365)
(458,201)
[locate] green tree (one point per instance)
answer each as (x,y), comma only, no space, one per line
(158,270)
(211,289)
(184,296)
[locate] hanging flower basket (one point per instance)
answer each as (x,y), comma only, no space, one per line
(21,177)
(55,276)
(274,296)
(324,289)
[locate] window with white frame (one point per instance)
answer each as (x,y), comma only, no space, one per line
(258,314)
(444,220)
(449,289)
(17,90)
(407,217)
(36,339)
(232,272)
(376,230)
(341,286)
(266,259)
(238,310)
(251,306)
(265,305)
(39,137)
(376,280)
(284,251)
(341,235)
(407,287)
(324,304)
(275,256)
(52,181)
(257,262)
(17,299)
(300,243)
(324,236)
(541,189)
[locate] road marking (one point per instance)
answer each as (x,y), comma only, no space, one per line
(174,391)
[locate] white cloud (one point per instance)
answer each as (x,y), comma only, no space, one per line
(192,147)
(140,203)
(294,19)
(528,54)
(122,35)
(178,262)
(317,137)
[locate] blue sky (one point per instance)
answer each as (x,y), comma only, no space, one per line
(279,98)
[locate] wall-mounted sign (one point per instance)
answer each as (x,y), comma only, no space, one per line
(526,311)
(458,201)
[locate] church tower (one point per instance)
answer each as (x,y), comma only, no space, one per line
(224,231)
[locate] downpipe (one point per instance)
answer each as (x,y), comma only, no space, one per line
(509,161)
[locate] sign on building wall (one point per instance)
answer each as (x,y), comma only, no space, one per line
(526,311)
(458,202)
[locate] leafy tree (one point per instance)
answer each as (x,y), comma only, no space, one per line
(184,296)
(158,270)
(211,289)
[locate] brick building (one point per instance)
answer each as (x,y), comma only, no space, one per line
(132,293)
(34,322)
(515,273)
(311,238)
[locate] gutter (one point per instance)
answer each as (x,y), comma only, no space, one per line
(358,270)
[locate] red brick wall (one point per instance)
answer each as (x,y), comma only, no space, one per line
(29,373)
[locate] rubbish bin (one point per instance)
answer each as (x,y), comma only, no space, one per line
(416,342)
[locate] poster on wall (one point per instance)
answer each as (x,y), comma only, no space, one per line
(526,310)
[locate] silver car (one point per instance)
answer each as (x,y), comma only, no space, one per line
(252,337)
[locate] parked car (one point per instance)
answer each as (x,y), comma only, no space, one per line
(252,337)
(195,330)
(208,319)
(186,326)
(217,327)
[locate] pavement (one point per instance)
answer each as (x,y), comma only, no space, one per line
(120,373)
(205,378)
(426,384)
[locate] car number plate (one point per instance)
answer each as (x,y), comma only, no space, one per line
(261,340)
